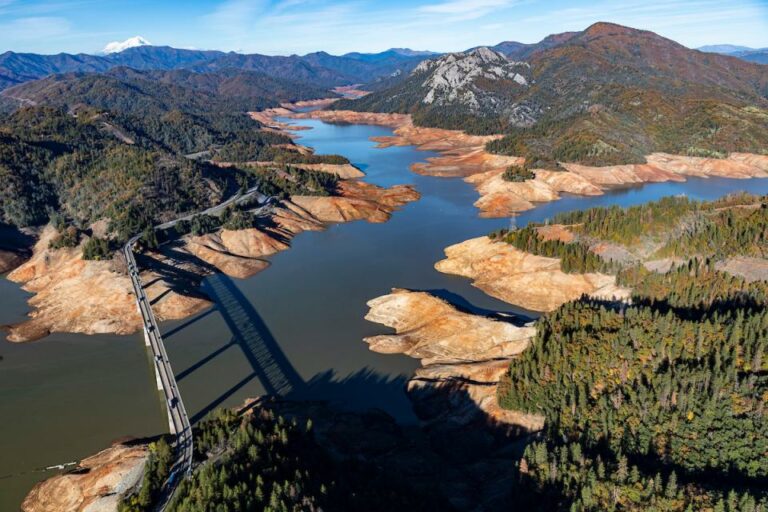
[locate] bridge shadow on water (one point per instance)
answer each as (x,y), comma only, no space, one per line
(362,390)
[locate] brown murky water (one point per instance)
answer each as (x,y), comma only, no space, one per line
(297,326)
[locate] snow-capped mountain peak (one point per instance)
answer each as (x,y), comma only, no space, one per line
(119,46)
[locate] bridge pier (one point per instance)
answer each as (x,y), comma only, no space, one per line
(171,424)
(178,420)
(158,380)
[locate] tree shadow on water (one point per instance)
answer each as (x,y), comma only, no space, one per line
(462,304)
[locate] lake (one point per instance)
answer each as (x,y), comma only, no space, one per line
(300,320)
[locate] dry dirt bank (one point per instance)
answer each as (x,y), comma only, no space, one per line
(465,156)
(75,295)
(463,356)
(96,487)
(533,282)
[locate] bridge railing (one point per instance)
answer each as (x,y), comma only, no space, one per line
(179,423)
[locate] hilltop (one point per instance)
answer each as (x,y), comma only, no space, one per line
(606,95)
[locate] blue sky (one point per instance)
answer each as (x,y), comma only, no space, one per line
(300,26)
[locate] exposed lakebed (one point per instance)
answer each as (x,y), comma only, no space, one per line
(299,323)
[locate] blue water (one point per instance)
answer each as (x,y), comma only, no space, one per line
(70,395)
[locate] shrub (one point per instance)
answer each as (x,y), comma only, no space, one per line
(67,238)
(96,248)
(517,173)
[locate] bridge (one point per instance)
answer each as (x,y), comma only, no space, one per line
(178,419)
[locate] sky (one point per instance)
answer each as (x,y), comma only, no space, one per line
(283,27)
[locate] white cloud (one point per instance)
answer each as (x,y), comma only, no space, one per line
(35,28)
(467,7)
(233,15)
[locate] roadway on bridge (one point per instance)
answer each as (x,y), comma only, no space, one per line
(178,419)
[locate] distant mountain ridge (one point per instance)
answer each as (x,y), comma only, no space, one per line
(16,68)
(758,55)
(319,68)
(726,49)
(136,91)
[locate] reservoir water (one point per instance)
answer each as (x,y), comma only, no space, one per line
(68,396)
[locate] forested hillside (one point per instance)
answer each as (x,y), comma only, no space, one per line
(52,161)
(136,147)
(261,461)
(607,95)
(661,403)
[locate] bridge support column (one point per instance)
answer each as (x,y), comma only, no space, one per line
(171,427)
(158,382)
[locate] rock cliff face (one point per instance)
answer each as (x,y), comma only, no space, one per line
(468,79)
(533,282)
(99,484)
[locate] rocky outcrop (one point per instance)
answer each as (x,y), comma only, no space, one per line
(267,119)
(467,80)
(214,250)
(533,282)
(432,330)
(96,297)
(464,357)
(97,486)
(557,232)
(72,294)
(357,200)
(666,167)
(501,198)
(240,253)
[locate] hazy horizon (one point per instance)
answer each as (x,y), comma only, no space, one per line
(287,27)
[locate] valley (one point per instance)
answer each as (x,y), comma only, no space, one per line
(444,202)
(529,273)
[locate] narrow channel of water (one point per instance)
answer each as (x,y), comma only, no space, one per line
(299,323)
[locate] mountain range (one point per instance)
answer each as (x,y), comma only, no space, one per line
(319,68)
(759,55)
(606,95)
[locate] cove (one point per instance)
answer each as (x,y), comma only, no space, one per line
(298,325)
